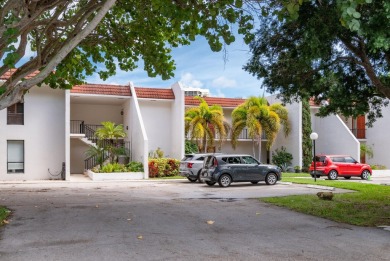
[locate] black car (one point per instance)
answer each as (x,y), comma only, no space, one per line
(228,168)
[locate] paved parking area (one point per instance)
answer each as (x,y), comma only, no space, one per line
(172,220)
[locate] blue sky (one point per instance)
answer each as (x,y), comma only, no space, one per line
(198,66)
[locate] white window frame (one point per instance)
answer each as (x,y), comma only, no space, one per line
(15,163)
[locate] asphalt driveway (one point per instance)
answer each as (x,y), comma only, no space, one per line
(172,220)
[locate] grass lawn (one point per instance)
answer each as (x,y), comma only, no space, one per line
(368,206)
(4,213)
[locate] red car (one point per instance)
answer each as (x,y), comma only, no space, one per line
(344,166)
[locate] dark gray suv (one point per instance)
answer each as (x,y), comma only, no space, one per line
(228,168)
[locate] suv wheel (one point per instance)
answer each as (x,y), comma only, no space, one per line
(199,176)
(332,175)
(271,179)
(225,180)
(365,174)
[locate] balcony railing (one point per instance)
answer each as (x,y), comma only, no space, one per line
(359,133)
(244,135)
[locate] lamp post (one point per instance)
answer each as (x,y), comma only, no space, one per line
(313,137)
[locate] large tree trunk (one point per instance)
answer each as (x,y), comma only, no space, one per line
(15,88)
(259,148)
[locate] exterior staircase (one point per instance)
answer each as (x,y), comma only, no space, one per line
(86,133)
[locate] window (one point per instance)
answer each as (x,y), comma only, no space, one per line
(249,160)
(15,156)
(350,160)
(15,114)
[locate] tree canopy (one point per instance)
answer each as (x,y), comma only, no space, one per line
(257,116)
(335,51)
(205,123)
(74,39)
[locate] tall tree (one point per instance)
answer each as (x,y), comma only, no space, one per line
(73,39)
(206,123)
(257,116)
(344,65)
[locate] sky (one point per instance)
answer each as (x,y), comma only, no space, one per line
(198,66)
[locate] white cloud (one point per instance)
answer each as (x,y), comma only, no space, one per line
(218,93)
(188,80)
(223,82)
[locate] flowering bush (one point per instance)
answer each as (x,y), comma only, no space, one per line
(163,167)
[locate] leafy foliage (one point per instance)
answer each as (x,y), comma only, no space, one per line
(133,166)
(344,66)
(158,153)
(4,213)
(190,147)
(306,141)
(282,158)
(79,38)
(163,167)
(111,132)
(205,123)
(257,116)
(366,150)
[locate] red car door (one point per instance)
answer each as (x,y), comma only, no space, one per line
(353,167)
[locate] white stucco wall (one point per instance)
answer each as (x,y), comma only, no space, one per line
(293,142)
(378,139)
(334,136)
(77,155)
(138,136)
(96,113)
(177,133)
(157,117)
(43,133)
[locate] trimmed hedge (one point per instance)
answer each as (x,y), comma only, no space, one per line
(163,167)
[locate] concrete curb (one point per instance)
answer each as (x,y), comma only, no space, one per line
(320,187)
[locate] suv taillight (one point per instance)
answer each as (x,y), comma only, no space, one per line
(189,165)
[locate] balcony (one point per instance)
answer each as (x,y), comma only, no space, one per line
(359,133)
(244,135)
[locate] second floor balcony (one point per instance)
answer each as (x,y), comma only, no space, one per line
(359,133)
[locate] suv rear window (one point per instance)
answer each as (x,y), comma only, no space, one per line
(320,158)
(187,157)
(232,160)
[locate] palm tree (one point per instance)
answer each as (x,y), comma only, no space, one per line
(204,123)
(257,116)
(111,132)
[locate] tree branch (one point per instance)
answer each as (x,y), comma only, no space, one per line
(15,94)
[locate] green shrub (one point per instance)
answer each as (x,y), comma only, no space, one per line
(190,147)
(282,158)
(163,167)
(113,167)
(135,166)
(378,167)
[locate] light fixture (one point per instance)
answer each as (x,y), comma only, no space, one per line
(313,137)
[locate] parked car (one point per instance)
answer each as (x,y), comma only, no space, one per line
(191,164)
(228,168)
(344,166)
